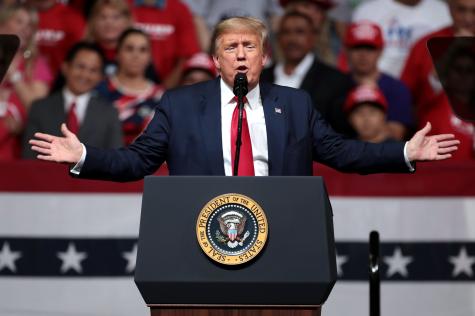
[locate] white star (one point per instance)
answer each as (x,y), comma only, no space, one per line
(340,260)
(8,257)
(462,263)
(131,258)
(397,263)
(71,259)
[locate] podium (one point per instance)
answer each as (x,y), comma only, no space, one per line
(292,274)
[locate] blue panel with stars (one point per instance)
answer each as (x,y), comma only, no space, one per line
(87,257)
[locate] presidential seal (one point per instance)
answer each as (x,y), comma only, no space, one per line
(232,229)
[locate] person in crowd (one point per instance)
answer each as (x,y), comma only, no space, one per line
(107,21)
(133,95)
(12,119)
(86,114)
(364,44)
(170,27)
(27,79)
(214,11)
(194,128)
(342,13)
(317,10)
(198,68)
(28,75)
(60,27)
(301,68)
(431,102)
(403,23)
(367,109)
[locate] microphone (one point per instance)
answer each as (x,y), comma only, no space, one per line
(240,90)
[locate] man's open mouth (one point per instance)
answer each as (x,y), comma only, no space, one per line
(242,69)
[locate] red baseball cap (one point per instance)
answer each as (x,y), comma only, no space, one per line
(324,4)
(365,94)
(364,33)
(201,61)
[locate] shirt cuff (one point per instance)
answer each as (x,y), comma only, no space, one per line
(408,163)
(78,166)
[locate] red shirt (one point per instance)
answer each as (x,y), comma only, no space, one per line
(59,28)
(171,31)
(10,144)
(431,102)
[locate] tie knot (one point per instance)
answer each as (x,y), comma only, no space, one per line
(72,106)
(244,99)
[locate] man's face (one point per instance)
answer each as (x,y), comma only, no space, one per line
(84,72)
(363,60)
(239,52)
(109,23)
(296,38)
(463,14)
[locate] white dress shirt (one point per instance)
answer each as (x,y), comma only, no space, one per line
(81,101)
(257,128)
(295,79)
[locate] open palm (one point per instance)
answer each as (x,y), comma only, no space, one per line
(66,149)
(427,148)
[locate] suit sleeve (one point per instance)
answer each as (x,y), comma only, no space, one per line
(141,158)
(350,155)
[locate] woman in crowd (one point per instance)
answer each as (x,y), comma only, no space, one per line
(28,78)
(28,75)
(134,96)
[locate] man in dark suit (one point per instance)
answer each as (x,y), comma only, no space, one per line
(194,128)
(94,120)
(301,68)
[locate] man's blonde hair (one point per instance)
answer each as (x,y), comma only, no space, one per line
(239,24)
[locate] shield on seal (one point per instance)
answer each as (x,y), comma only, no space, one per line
(232,224)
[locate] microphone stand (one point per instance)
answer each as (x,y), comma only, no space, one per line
(238,136)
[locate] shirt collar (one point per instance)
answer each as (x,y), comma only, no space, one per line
(227,95)
(305,64)
(69,97)
(302,68)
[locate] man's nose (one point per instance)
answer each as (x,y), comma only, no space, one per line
(240,52)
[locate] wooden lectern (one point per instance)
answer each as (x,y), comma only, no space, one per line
(292,275)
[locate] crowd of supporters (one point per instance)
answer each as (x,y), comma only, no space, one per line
(102,66)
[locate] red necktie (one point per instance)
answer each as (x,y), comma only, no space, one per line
(72,119)
(246,162)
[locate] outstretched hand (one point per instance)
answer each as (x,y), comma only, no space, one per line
(427,148)
(67,149)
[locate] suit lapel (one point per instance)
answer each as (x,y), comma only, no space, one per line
(210,111)
(274,113)
(89,120)
(58,115)
(309,82)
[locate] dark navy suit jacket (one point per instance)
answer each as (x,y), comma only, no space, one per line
(186,133)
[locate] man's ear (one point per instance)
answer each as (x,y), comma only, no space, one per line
(216,62)
(264,59)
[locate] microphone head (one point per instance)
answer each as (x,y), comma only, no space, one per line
(240,84)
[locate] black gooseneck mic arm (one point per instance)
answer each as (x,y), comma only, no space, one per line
(240,90)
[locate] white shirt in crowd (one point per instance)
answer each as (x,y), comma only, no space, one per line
(402,26)
(81,103)
(295,79)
